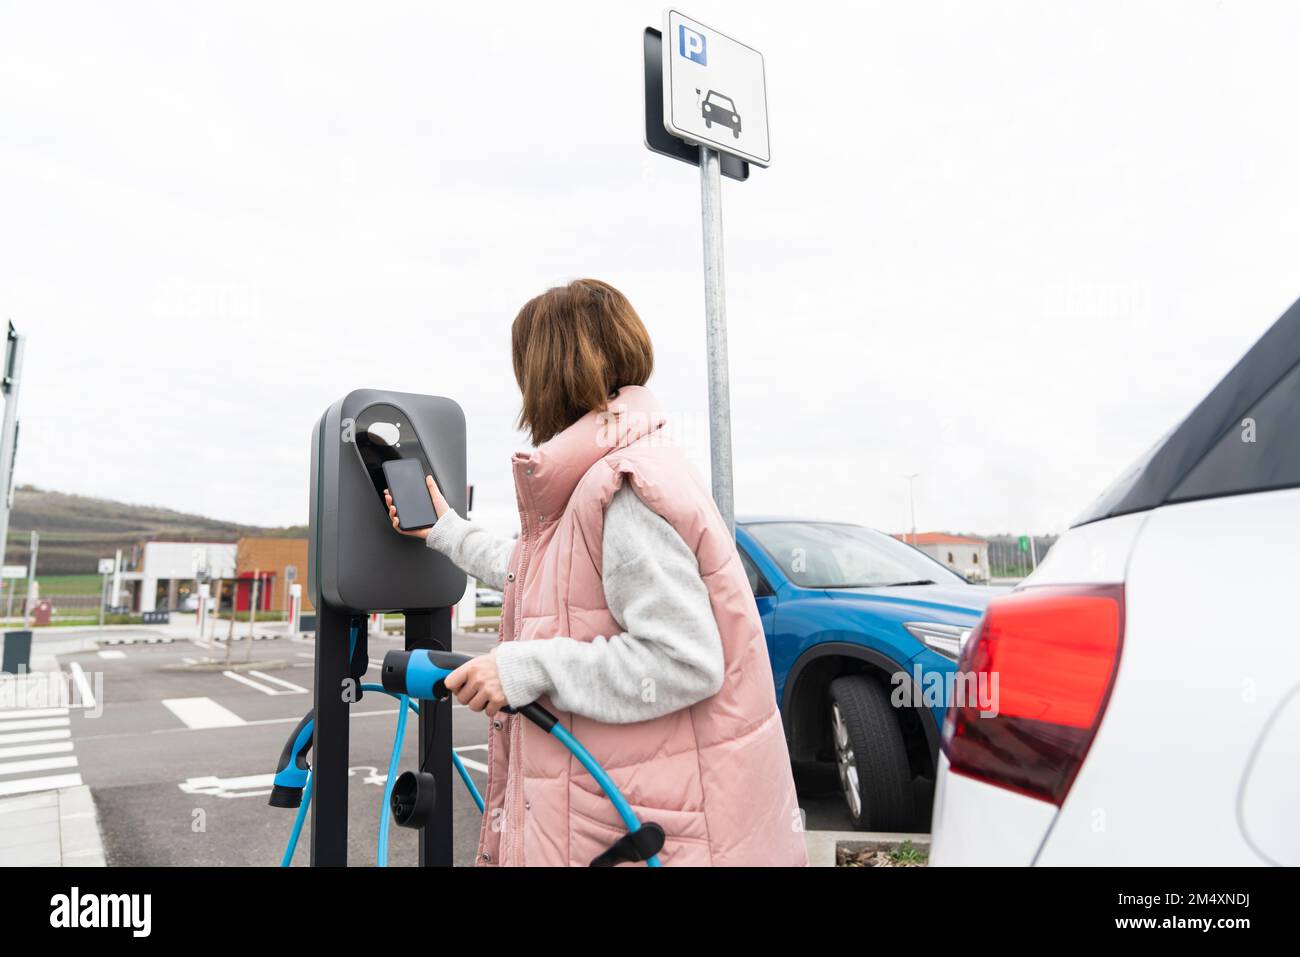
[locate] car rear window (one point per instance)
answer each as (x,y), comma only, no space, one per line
(1241,438)
(1261,452)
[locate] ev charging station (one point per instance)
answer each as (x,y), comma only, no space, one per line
(358,565)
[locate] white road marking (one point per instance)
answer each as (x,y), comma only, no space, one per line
(16,741)
(28,785)
(32,713)
(112,654)
(257,721)
(256,785)
(244,680)
(83,685)
(7,739)
(251,785)
(474,765)
(46,689)
(202,713)
(27,750)
(37,764)
(293,688)
(38,723)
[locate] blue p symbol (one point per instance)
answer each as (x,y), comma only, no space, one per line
(691,45)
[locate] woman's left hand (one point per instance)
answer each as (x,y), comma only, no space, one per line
(477,685)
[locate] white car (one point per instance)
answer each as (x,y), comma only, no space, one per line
(191,603)
(1148,696)
(487,598)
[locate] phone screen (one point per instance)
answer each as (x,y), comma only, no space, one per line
(405,479)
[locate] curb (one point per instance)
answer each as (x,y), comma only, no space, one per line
(822,844)
(56,828)
(79,836)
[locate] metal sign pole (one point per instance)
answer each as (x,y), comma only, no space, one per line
(12,375)
(715,315)
(31,577)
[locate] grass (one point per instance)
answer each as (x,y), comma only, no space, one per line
(61,585)
(907,853)
(76,621)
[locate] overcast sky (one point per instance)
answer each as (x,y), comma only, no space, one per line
(1004,245)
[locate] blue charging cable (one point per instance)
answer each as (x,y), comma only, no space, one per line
(409,675)
(398,737)
(422,674)
(293,776)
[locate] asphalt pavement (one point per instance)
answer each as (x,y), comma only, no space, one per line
(181,758)
(178,750)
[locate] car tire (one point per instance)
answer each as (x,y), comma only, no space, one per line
(870,756)
(736,133)
(708,124)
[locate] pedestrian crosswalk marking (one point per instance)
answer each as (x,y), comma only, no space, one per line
(7,739)
(34,741)
(36,764)
(30,785)
(26,750)
(36,723)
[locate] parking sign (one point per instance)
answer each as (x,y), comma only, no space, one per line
(715,90)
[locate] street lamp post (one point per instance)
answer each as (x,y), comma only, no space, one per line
(911,494)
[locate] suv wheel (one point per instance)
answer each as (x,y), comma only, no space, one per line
(870,756)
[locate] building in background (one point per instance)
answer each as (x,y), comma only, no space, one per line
(277,563)
(963,554)
(162,575)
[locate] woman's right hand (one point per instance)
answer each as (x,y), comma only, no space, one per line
(440,508)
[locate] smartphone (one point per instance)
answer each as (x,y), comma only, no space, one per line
(405,478)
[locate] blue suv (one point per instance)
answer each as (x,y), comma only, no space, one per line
(863,633)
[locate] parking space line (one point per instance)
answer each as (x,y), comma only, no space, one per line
(469,762)
(28,785)
(202,713)
(111,654)
(293,688)
(245,680)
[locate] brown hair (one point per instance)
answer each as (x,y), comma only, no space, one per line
(573,347)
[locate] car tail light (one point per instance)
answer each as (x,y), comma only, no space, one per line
(1054,651)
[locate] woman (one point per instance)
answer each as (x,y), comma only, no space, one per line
(626,611)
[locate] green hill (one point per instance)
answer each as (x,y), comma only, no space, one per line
(76,531)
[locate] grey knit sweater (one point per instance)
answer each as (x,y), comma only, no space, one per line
(669,654)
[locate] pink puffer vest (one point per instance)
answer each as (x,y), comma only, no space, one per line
(716,775)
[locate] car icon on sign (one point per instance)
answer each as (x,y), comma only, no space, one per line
(720,109)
